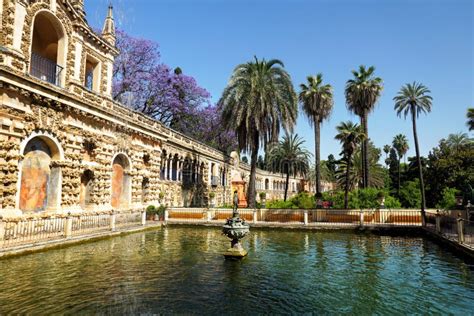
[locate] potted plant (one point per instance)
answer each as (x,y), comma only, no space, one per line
(212,195)
(160,211)
(263,197)
(151,213)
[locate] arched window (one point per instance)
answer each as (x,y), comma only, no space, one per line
(266,184)
(48,50)
(86,188)
(40,182)
(120,181)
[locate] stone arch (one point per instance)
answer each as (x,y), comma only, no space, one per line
(48,49)
(87,181)
(40,181)
(121,182)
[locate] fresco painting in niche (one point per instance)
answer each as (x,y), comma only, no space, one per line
(37,179)
(119,182)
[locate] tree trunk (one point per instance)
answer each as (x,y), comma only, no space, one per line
(366,151)
(346,189)
(362,154)
(253,168)
(287,183)
(420,169)
(399,177)
(317,137)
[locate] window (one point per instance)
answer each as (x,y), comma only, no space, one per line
(91,80)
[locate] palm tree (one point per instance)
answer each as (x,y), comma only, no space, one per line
(362,93)
(386,150)
(350,135)
(400,143)
(376,174)
(458,140)
(414,99)
(290,158)
(317,101)
(258,99)
(470,119)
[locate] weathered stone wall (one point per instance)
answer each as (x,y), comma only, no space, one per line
(85,131)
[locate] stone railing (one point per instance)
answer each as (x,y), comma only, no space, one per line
(330,217)
(34,229)
(452,226)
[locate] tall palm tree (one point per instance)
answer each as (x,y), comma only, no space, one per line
(470,119)
(362,92)
(290,158)
(350,136)
(257,101)
(414,99)
(386,150)
(317,101)
(400,143)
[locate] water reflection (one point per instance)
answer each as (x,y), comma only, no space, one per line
(182,270)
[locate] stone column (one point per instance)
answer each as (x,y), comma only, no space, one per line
(2,229)
(438,222)
(112,220)
(460,229)
(306,217)
(361,217)
(68,226)
(166,215)
(143,217)
(254,216)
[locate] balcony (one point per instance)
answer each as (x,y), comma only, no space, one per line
(214,181)
(45,69)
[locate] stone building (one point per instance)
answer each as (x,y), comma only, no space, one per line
(67,146)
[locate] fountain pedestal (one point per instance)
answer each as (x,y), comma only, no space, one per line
(235,228)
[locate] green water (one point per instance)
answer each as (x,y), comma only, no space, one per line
(182,270)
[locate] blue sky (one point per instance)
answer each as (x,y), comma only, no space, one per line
(430,41)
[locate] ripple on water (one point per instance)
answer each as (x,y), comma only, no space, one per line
(181,270)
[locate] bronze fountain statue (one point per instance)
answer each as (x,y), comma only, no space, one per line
(235,228)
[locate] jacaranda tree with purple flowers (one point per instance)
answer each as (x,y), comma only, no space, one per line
(142,82)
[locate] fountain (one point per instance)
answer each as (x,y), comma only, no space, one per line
(235,228)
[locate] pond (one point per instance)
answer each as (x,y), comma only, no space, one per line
(182,270)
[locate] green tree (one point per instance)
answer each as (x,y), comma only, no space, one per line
(414,99)
(260,163)
(350,135)
(410,194)
(258,100)
(316,101)
(400,143)
(470,119)
(362,93)
(289,158)
(376,174)
(449,167)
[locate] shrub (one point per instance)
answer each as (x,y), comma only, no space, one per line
(280,204)
(151,210)
(161,195)
(448,199)
(303,200)
(212,195)
(410,194)
(263,195)
(392,202)
(160,210)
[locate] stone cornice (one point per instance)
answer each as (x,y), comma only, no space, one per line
(110,111)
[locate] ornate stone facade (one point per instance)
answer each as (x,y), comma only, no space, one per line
(96,149)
